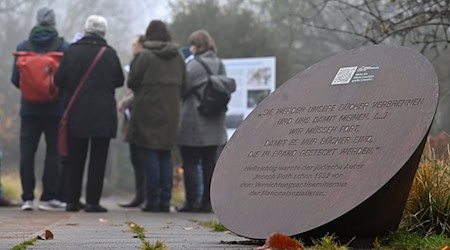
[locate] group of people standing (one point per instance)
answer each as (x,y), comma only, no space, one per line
(160,117)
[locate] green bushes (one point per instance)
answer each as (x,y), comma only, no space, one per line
(411,241)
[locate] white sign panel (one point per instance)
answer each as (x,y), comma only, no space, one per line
(255,79)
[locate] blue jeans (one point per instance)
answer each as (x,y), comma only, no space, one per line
(31,128)
(158,176)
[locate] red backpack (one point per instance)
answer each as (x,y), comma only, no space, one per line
(37,72)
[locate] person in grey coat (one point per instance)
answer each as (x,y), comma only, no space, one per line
(199,136)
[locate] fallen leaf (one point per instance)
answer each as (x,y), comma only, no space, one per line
(278,241)
(48,235)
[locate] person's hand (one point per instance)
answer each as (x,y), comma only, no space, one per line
(121,106)
(125,102)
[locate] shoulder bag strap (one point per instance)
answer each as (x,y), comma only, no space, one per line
(208,71)
(195,89)
(56,45)
(28,46)
(83,80)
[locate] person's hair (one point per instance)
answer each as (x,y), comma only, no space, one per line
(140,39)
(96,24)
(157,31)
(202,40)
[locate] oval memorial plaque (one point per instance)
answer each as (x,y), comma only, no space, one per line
(334,149)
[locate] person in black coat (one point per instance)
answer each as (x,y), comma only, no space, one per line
(92,118)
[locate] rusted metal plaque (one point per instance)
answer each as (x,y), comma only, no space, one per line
(334,149)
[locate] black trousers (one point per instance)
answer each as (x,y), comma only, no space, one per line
(139,175)
(192,157)
(98,154)
(31,129)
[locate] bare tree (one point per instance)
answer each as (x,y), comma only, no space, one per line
(8,6)
(423,23)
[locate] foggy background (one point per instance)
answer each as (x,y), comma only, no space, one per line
(297,33)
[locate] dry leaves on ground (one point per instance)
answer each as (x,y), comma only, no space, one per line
(279,241)
(48,235)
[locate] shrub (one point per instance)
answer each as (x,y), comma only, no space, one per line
(428,206)
(11,186)
(408,240)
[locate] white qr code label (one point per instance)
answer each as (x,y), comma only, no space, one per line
(344,75)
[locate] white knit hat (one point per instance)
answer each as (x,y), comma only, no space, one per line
(96,24)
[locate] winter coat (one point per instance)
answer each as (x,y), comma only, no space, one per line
(157,78)
(41,39)
(93,113)
(196,129)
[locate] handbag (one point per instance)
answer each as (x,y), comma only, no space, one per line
(63,145)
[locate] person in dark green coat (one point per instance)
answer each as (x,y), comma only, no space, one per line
(157,78)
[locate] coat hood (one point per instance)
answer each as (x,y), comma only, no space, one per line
(162,49)
(42,35)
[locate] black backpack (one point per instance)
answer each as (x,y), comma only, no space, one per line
(216,94)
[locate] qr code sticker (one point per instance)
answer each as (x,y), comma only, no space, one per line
(344,75)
